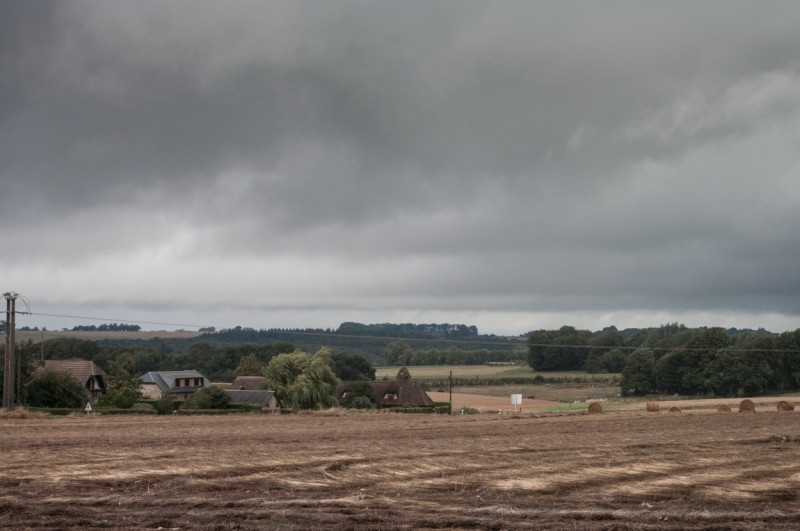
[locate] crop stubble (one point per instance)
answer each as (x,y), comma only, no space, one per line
(621,470)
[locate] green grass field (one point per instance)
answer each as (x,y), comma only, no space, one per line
(481,371)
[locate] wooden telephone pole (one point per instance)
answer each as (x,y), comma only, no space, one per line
(9,371)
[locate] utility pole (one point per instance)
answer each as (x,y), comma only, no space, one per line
(9,369)
(42,345)
(451,392)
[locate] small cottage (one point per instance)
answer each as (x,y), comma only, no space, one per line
(392,393)
(248,383)
(180,384)
(86,372)
(268,400)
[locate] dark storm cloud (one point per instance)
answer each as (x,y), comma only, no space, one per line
(525,156)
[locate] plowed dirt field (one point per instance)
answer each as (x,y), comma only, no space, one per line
(619,470)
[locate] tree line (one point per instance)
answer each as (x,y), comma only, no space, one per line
(676,359)
(107,327)
(400,353)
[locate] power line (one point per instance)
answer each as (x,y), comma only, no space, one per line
(110,319)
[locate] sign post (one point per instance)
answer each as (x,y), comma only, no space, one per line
(516,400)
(88,407)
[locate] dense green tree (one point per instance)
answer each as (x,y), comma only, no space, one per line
(123,375)
(613,361)
(637,338)
(54,389)
(558,350)
(637,376)
(403,373)
(361,396)
(121,397)
(602,344)
(209,398)
(352,367)
(397,353)
(248,366)
(303,381)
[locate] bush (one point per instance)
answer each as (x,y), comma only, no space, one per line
(469,411)
(209,398)
(55,390)
(443,407)
(361,396)
(165,405)
(359,402)
(120,398)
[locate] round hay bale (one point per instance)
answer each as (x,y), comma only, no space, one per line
(785,405)
(674,409)
(595,407)
(746,405)
(723,408)
(653,407)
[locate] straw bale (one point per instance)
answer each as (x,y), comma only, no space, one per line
(595,407)
(653,407)
(785,405)
(674,409)
(723,408)
(746,405)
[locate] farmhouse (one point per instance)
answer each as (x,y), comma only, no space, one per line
(248,383)
(268,400)
(392,394)
(181,384)
(86,372)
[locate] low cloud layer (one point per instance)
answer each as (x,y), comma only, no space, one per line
(510,165)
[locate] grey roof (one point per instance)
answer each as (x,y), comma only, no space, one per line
(251,397)
(165,380)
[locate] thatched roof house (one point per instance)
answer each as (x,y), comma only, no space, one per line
(248,383)
(86,372)
(268,400)
(182,384)
(392,393)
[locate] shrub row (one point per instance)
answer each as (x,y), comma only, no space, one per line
(442,383)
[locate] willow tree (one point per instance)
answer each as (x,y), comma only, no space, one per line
(303,381)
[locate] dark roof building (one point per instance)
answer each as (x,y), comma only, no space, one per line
(268,400)
(248,383)
(392,393)
(183,384)
(90,375)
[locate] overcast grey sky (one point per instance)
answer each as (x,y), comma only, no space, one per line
(513,165)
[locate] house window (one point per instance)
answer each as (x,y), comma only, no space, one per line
(177,382)
(390,396)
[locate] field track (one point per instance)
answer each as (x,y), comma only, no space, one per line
(618,470)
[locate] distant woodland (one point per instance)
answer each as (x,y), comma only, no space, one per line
(676,359)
